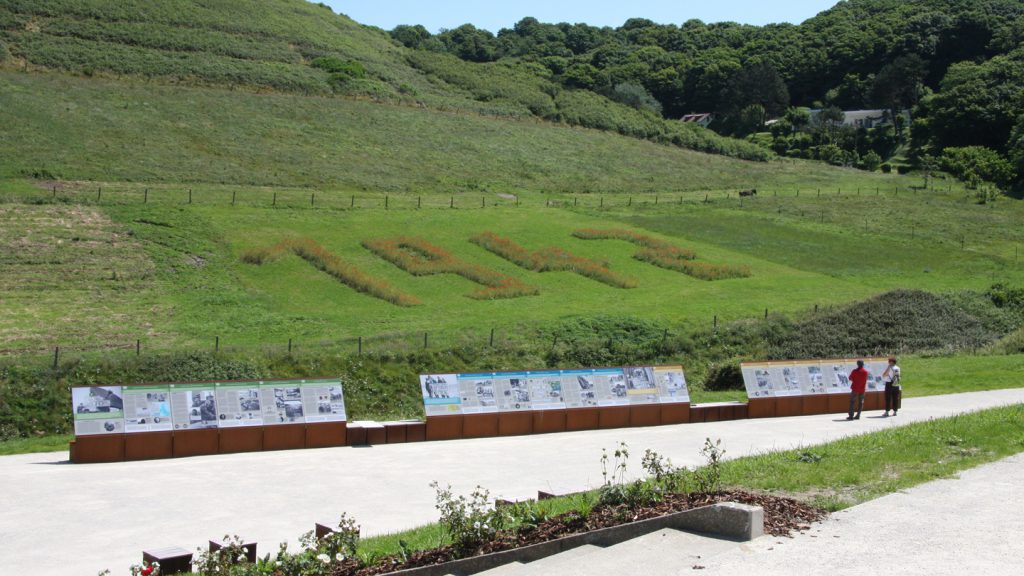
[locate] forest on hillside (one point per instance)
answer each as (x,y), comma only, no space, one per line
(957,67)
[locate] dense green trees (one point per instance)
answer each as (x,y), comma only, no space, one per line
(958,64)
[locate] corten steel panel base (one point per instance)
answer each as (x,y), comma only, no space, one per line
(613,417)
(148,445)
(376,434)
(789,406)
(582,419)
(241,439)
(838,403)
(742,411)
(761,408)
(479,425)
(173,560)
(675,413)
(416,432)
(325,434)
(515,423)
(196,442)
(649,415)
(284,436)
(712,413)
(99,448)
(356,435)
(396,432)
(546,421)
(816,404)
(874,401)
(444,427)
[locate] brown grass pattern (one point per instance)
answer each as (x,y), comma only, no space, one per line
(665,255)
(551,259)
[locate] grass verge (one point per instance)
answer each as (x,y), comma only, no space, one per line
(32,445)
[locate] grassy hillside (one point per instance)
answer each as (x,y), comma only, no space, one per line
(298,47)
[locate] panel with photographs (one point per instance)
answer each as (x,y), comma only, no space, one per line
(445,394)
(779,379)
(98,410)
(147,408)
(239,404)
(441,394)
(193,406)
(324,401)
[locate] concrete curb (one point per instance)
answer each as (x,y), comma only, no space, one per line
(729,520)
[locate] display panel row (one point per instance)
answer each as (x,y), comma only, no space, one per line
(192,406)
(807,377)
(450,394)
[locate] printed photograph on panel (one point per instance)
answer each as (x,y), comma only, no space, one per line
(439,386)
(790,383)
(98,410)
(546,392)
(640,381)
(518,394)
(763,383)
(671,384)
(147,409)
(288,402)
(815,381)
(585,387)
(202,410)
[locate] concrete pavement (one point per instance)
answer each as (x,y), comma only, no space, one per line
(102,515)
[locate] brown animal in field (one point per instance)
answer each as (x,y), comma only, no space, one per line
(751,192)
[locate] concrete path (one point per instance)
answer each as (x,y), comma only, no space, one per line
(92,517)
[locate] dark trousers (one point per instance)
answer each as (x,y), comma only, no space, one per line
(892,397)
(856,401)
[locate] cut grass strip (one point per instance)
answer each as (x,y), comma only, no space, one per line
(54,443)
(551,259)
(324,260)
(835,475)
(662,254)
(421,258)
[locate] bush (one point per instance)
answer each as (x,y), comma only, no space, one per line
(903,169)
(886,168)
(871,161)
(725,376)
(337,66)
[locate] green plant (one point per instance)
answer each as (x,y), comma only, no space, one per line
(666,476)
(230,558)
(708,478)
(468,521)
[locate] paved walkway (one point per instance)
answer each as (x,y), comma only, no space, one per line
(92,517)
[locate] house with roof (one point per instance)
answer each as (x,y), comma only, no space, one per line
(864,118)
(702,119)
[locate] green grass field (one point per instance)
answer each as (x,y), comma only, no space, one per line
(169,273)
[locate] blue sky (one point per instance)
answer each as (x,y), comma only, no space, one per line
(494,15)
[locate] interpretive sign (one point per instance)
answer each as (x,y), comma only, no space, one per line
(806,377)
(195,406)
(98,410)
(476,393)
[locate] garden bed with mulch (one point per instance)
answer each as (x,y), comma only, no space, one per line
(782,516)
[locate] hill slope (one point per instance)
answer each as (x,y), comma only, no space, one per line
(295,46)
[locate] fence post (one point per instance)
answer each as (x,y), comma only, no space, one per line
(387,201)
(483,202)
(575,201)
(424,340)
(602,202)
(419,201)
(189,195)
(274,203)
(630,201)
(705,198)
(233,192)
(352,203)
(360,346)
(655,199)
(99,191)
(216,344)
(289,345)
(138,347)
(765,313)
(55,191)
(145,197)
(56,356)
(451,203)
(492,338)
(312,198)
(715,322)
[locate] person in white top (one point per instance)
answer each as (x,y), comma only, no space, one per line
(893,389)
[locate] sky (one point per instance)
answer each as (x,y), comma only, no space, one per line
(494,15)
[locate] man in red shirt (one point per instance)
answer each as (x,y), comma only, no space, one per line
(858,384)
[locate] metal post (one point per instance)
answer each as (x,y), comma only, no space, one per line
(424,340)
(360,345)
(189,195)
(233,197)
(145,198)
(492,337)
(138,347)
(56,356)
(216,344)
(274,203)
(312,198)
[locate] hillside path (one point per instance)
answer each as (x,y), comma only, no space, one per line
(56,517)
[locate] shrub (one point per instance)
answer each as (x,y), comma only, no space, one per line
(551,259)
(421,258)
(871,161)
(335,65)
(708,477)
(886,168)
(665,255)
(724,377)
(470,521)
(324,260)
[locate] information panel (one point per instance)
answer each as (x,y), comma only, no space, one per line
(194,406)
(98,410)
(475,393)
(147,408)
(807,377)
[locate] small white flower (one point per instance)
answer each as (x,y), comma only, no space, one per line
(278,563)
(324,558)
(476,525)
(339,557)
(241,558)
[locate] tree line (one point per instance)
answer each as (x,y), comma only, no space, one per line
(956,66)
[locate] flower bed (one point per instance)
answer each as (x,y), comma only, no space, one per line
(421,258)
(665,255)
(324,260)
(551,259)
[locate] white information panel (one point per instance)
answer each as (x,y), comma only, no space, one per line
(98,410)
(807,377)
